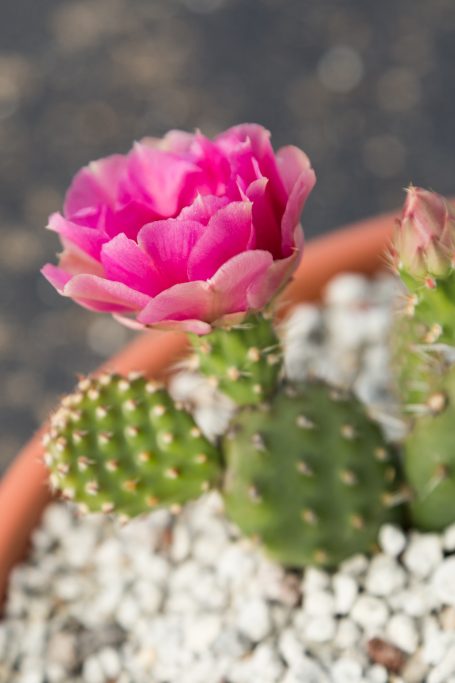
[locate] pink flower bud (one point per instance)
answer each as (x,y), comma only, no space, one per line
(183,232)
(424,240)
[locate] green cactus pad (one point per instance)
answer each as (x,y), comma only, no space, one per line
(309,476)
(244,361)
(121,445)
(430,460)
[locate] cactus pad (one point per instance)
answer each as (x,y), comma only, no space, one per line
(430,460)
(244,362)
(309,475)
(121,445)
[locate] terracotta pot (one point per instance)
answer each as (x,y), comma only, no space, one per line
(23,490)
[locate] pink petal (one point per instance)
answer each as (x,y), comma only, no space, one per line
(169,244)
(266,225)
(89,240)
(129,219)
(233,280)
(74,261)
(183,302)
(95,184)
(163,180)
(203,208)
(99,294)
(296,202)
(56,276)
(229,232)
(292,162)
(267,287)
(124,261)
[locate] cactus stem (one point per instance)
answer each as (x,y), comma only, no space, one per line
(437,402)
(253,354)
(304,468)
(101,412)
(381,454)
(78,436)
(348,477)
(135,374)
(320,556)
(104,379)
(200,459)
(91,488)
(63,468)
(130,405)
(205,486)
(104,438)
(430,283)
(172,473)
(83,508)
(61,444)
(144,456)
(233,374)
(123,385)
(357,522)
(93,394)
(309,516)
(131,431)
(258,442)
(273,359)
(433,334)
(152,387)
(130,485)
(257,389)
(84,384)
(68,494)
(83,463)
(348,432)
(158,410)
(195,432)
(107,508)
(404,495)
(152,501)
(112,465)
(254,494)
(167,438)
(390,474)
(213,381)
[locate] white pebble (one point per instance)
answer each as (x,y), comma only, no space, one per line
(347,635)
(369,612)
(201,631)
(315,579)
(448,539)
(307,671)
(346,670)
(92,671)
(346,290)
(423,554)
(319,629)
(110,662)
(385,576)
(392,540)
(319,603)
(444,669)
(345,588)
(253,620)
(402,632)
(354,566)
(443,582)
(377,674)
(290,647)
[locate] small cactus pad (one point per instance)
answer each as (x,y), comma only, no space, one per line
(309,475)
(121,445)
(244,361)
(430,459)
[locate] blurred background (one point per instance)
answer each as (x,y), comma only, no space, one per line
(365,88)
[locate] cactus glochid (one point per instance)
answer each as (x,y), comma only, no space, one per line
(310,476)
(121,445)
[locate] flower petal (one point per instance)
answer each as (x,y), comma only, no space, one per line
(124,261)
(89,240)
(296,202)
(163,180)
(95,184)
(188,301)
(56,276)
(203,208)
(99,294)
(229,232)
(169,244)
(235,277)
(264,289)
(266,225)
(291,162)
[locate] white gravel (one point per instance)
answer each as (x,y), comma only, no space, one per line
(186,599)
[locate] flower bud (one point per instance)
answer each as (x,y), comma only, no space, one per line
(424,240)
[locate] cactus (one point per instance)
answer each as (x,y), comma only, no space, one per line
(244,362)
(121,445)
(430,460)
(422,255)
(310,476)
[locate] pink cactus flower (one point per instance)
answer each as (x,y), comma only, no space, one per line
(424,241)
(183,232)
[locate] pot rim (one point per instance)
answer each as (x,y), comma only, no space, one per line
(24,493)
